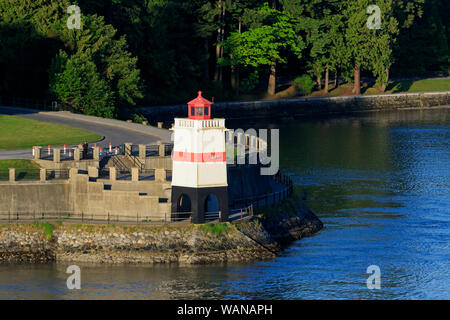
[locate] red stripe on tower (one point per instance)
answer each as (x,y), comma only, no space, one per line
(199,157)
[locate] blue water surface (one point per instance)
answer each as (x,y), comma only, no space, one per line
(379,182)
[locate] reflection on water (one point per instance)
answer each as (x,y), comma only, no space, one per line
(379,182)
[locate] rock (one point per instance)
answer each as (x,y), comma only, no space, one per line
(251,240)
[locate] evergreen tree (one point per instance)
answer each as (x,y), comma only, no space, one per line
(77,83)
(369,48)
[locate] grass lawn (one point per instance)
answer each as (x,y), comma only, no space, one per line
(22,164)
(24,169)
(21,133)
(419,86)
(405,86)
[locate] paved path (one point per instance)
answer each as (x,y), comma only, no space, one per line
(115,131)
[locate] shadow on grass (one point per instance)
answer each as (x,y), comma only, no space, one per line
(399,86)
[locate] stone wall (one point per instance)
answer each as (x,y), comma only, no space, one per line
(192,244)
(309,106)
(84,197)
(35,197)
(121,200)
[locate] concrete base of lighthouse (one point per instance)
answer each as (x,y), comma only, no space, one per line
(198,197)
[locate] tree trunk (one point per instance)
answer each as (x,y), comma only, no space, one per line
(219,37)
(206,63)
(233,76)
(384,86)
(222,38)
(319,81)
(336,81)
(327,76)
(357,80)
(238,80)
(237,67)
(272,80)
(274,4)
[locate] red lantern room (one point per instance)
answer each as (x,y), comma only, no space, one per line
(199,108)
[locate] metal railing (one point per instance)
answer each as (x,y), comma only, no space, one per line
(147,175)
(265,200)
(27,174)
(57,174)
(212,216)
(168,148)
(4,175)
(86,217)
(120,166)
(46,154)
(136,161)
(240,214)
(103,174)
(169,175)
(123,175)
(151,150)
(68,155)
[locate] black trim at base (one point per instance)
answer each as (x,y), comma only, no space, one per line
(198,197)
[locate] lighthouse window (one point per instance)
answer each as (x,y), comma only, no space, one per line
(192,111)
(206,111)
(200,111)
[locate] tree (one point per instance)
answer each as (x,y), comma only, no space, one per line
(77,83)
(369,48)
(115,67)
(28,44)
(263,44)
(418,20)
(339,55)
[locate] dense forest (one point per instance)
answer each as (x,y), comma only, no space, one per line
(150,52)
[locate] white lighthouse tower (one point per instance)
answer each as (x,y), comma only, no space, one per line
(199,177)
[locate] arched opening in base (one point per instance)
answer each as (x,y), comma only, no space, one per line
(212,207)
(184,208)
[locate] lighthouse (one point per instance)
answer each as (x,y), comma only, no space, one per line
(199,176)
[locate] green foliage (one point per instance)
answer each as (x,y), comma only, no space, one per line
(215,228)
(138,118)
(77,84)
(46,227)
(370,49)
(304,83)
(249,83)
(93,72)
(140,52)
(263,45)
(98,76)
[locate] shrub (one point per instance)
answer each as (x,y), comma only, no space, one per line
(137,118)
(47,228)
(248,84)
(217,228)
(304,83)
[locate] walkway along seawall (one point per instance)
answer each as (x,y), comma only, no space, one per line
(309,107)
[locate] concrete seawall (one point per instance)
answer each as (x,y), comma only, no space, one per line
(308,107)
(255,239)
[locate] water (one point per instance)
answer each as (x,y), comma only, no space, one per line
(379,182)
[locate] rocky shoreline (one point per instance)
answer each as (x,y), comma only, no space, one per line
(261,237)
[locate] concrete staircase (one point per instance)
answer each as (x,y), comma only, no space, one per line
(122,163)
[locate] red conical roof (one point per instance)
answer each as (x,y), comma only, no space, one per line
(199,101)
